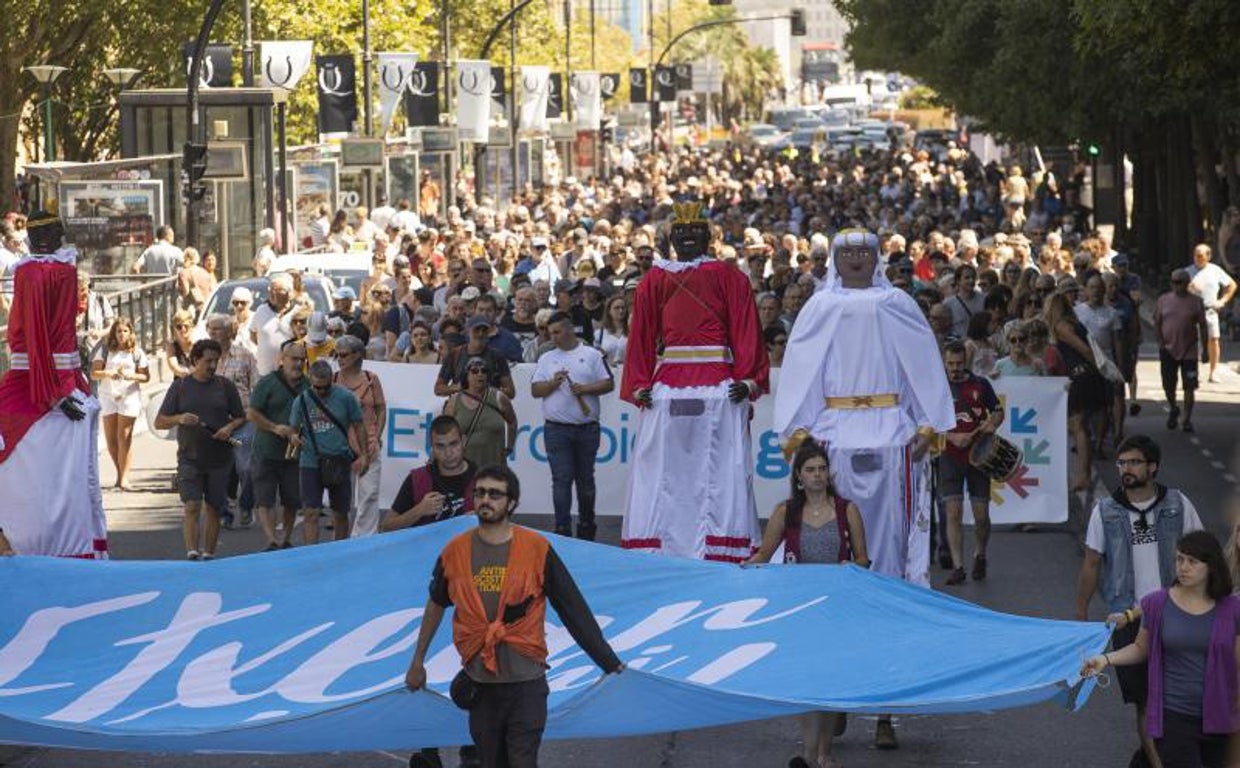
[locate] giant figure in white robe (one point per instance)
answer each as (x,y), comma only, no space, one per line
(862,375)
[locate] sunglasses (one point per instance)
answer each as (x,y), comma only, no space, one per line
(489,493)
(1018,339)
(241,303)
(181,326)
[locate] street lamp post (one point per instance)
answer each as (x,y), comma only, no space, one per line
(46,74)
(367,118)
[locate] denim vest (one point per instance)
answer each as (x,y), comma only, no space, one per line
(1166,515)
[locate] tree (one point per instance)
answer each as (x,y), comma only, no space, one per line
(1152,80)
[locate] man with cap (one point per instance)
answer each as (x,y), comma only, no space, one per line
(453,372)
(859,345)
(63,519)
(695,361)
(343,304)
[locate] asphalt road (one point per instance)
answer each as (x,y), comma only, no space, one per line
(1031,574)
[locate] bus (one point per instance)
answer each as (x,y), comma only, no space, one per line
(820,63)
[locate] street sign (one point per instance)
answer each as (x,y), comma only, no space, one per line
(439,140)
(361,153)
(226,161)
(708,77)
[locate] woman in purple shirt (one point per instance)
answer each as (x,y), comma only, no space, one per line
(1189,637)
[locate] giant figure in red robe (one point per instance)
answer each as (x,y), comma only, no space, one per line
(695,362)
(50,502)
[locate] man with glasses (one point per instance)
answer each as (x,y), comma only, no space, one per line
(330,429)
(1129,553)
(453,371)
(1180,321)
(545,267)
(274,465)
(501,576)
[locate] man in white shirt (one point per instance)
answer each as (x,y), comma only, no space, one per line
(569,380)
(162,257)
(383,213)
(1215,287)
(269,328)
(545,267)
(1129,553)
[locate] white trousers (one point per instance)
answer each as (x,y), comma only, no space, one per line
(690,488)
(50,501)
(893,494)
(366,502)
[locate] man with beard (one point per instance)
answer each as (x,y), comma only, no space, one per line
(499,576)
(859,345)
(1129,553)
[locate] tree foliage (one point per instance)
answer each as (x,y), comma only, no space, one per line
(1151,79)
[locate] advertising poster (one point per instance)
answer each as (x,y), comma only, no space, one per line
(318,182)
(111,214)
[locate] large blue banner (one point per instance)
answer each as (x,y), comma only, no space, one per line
(305,650)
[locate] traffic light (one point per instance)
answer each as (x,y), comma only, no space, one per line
(1094,150)
(607,133)
(194,163)
(798,22)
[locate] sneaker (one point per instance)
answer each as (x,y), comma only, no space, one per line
(564,530)
(226,522)
(247,518)
(885,733)
(192,555)
(956,579)
(272,547)
(1187,426)
(208,556)
(286,545)
(979,568)
(586,531)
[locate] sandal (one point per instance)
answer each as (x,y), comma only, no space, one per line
(192,555)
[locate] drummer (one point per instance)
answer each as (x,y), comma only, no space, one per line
(978,416)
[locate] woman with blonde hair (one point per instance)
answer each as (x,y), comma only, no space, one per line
(121,367)
(178,347)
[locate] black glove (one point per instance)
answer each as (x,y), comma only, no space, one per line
(644,397)
(71,409)
(738,391)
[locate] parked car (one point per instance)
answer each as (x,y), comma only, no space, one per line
(317,287)
(762,134)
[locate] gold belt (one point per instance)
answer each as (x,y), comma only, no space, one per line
(862,402)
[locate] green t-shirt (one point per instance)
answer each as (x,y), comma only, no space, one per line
(272,398)
(330,439)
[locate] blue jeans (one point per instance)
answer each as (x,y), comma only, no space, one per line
(571,451)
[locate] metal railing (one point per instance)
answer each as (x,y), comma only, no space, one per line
(148,300)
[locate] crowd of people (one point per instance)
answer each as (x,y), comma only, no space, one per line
(277,418)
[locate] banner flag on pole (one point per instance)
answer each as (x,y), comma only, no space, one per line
(555,95)
(665,82)
(535,90)
(609,85)
(422,95)
(638,86)
(217,67)
(587,100)
(395,73)
(337,93)
(473,100)
(229,656)
(282,63)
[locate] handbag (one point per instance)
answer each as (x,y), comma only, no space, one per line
(333,470)
(464,691)
(1109,370)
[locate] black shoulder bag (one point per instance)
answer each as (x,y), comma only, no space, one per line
(333,470)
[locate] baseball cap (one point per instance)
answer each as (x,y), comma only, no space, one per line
(1119,260)
(564,285)
(345,292)
(477,321)
(316,328)
(592,282)
(538,242)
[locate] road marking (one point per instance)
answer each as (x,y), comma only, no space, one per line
(1217,464)
(1207,453)
(1229,478)
(1195,440)
(404,760)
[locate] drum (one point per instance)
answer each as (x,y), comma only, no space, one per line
(152,410)
(996,456)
